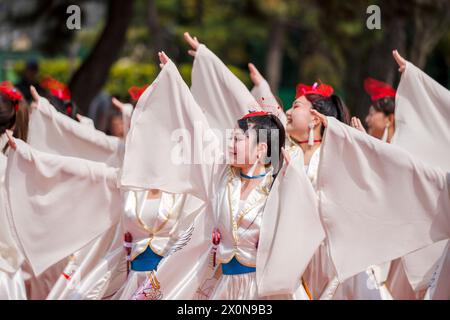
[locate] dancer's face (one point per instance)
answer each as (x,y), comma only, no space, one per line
(298,118)
(243,150)
(376,122)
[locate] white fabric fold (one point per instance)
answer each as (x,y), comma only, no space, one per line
(377,202)
(59,204)
(291,232)
(422,116)
(53,132)
(222,96)
(167,109)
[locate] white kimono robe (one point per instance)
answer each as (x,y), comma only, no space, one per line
(163,225)
(220,94)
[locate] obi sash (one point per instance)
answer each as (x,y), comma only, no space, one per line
(234,267)
(146,261)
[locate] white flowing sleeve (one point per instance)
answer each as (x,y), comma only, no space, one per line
(169,146)
(86,121)
(291,231)
(377,201)
(222,96)
(59,204)
(266,99)
(53,132)
(422,116)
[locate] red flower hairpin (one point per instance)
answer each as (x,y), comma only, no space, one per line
(378,89)
(136,92)
(324,90)
(11,93)
(56,88)
(255,114)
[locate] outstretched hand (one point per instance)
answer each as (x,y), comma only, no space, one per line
(356,123)
(255,75)
(118,104)
(11,142)
(163,58)
(400,61)
(193,42)
(35,96)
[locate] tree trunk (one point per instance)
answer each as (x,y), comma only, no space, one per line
(156,32)
(376,60)
(275,53)
(89,79)
(431,22)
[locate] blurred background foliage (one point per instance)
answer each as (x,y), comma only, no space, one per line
(289,41)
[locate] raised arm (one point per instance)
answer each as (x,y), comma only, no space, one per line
(422,114)
(263,94)
(220,94)
(51,131)
(70,201)
(168,139)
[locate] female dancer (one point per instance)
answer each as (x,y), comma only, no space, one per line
(235,192)
(380,120)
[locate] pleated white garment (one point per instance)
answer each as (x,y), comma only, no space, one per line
(421,117)
(366,204)
(53,132)
(39,186)
(12,278)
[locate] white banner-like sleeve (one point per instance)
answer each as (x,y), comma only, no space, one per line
(377,202)
(59,204)
(168,146)
(53,132)
(266,99)
(422,116)
(222,96)
(291,231)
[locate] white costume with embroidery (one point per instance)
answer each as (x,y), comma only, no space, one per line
(155,224)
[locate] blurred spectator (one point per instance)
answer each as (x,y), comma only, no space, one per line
(115,124)
(99,110)
(30,77)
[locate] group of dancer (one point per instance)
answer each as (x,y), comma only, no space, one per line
(215,192)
